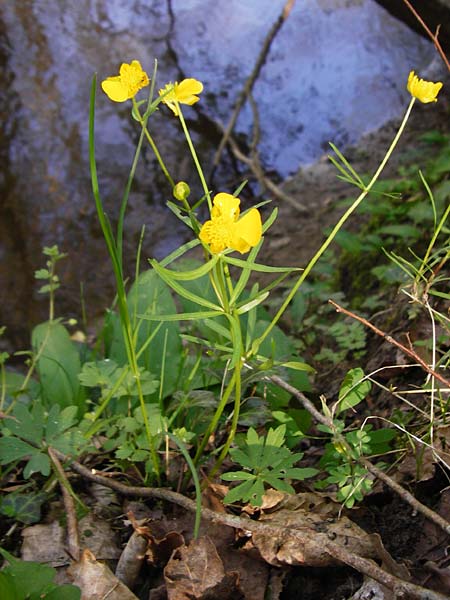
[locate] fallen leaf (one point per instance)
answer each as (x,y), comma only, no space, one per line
(131,559)
(96,581)
(196,572)
(311,533)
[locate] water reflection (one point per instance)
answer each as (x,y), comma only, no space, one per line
(336,69)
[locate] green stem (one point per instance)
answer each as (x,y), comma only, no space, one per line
(431,245)
(234,421)
(194,156)
(115,253)
(330,238)
(212,426)
(198,491)
(158,156)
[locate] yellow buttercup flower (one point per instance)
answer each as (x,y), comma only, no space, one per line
(126,85)
(183,93)
(227,230)
(425,91)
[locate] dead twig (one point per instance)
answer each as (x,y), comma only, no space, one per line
(257,170)
(396,487)
(402,588)
(391,340)
(73,540)
(433,36)
(248,86)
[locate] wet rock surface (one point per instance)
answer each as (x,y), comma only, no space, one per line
(48,52)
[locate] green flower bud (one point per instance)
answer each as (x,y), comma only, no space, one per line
(181,191)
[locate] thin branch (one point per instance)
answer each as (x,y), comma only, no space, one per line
(255,167)
(248,86)
(407,496)
(402,588)
(396,487)
(433,36)
(392,341)
(73,540)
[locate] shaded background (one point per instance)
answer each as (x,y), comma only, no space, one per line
(336,70)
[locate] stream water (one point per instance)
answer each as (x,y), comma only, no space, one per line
(336,70)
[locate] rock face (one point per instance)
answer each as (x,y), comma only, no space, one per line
(433,12)
(317,85)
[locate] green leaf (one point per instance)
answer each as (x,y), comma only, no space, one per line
(171,275)
(59,421)
(249,304)
(38,463)
(161,357)
(298,366)
(275,437)
(24,507)
(58,365)
(403,231)
(42,274)
(98,373)
(237,476)
(270,462)
(353,390)
(23,580)
(12,449)
(27,423)
(182,291)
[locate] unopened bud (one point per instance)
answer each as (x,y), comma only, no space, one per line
(181,191)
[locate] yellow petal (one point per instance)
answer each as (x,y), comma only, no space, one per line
(246,232)
(226,205)
(186,91)
(425,91)
(115,89)
(183,93)
(126,85)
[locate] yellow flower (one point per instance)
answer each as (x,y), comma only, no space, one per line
(183,93)
(425,91)
(126,85)
(227,230)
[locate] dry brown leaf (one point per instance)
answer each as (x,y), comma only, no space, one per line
(96,581)
(196,572)
(160,551)
(131,559)
(46,544)
(307,547)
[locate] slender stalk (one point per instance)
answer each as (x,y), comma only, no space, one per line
(156,151)
(198,490)
(194,155)
(234,421)
(115,253)
(337,227)
(219,410)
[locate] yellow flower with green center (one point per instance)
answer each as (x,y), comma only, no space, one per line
(183,93)
(425,91)
(126,85)
(226,229)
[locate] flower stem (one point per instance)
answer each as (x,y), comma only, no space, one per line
(153,146)
(219,410)
(332,235)
(234,421)
(194,156)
